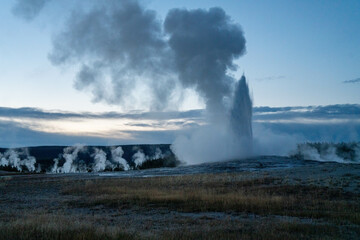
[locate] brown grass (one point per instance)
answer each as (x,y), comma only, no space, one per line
(246,206)
(222,192)
(46,226)
(282,231)
(49,226)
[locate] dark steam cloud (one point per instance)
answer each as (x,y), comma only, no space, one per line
(205,43)
(127,56)
(28,9)
(121,50)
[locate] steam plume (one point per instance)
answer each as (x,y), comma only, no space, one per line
(231,138)
(241,115)
(158,154)
(120,46)
(18,159)
(138,158)
(123,50)
(97,163)
(329,152)
(116,154)
(204,45)
(72,163)
(100,160)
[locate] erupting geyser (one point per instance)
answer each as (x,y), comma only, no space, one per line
(121,50)
(241,113)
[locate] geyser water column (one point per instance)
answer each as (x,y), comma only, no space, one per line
(241,114)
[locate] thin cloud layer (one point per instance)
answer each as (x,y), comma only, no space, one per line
(320,123)
(356,80)
(28,9)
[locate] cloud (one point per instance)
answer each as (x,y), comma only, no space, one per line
(28,9)
(356,80)
(16,135)
(324,132)
(29,126)
(340,111)
(36,113)
(270,78)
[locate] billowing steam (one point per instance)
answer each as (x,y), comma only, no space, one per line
(72,163)
(204,45)
(18,159)
(225,140)
(119,161)
(101,163)
(70,160)
(329,152)
(158,154)
(123,50)
(100,160)
(139,158)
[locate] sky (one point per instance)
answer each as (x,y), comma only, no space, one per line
(283,125)
(298,53)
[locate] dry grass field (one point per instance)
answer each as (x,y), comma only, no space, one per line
(243,205)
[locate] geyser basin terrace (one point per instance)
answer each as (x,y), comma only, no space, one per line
(307,200)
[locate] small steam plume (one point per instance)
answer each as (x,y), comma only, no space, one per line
(119,161)
(100,160)
(138,158)
(18,159)
(329,152)
(72,164)
(55,168)
(101,163)
(158,155)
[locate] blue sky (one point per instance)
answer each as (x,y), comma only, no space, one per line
(298,53)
